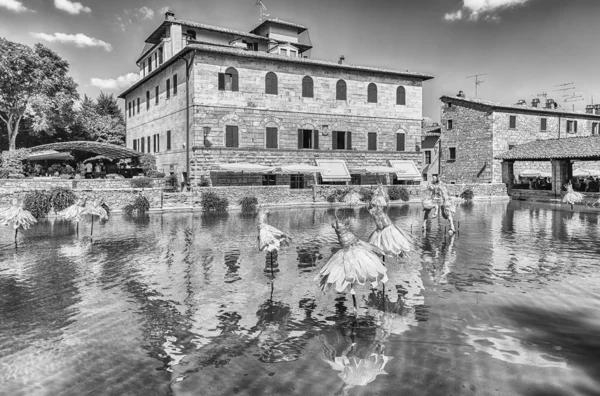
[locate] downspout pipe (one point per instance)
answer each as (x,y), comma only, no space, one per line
(188,64)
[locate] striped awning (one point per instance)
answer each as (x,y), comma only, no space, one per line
(409,170)
(337,170)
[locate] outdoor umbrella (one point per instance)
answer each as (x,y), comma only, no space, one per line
(581,172)
(530,173)
(97,158)
(49,155)
(301,168)
(545,174)
(377,169)
(241,167)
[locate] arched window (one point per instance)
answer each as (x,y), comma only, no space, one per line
(340,90)
(401,96)
(271,83)
(307,87)
(228,81)
(372,93)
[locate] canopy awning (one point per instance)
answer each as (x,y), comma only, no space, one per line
(97,158)
(243,167)
(408,170)
(336,170)
(108,150)
(534,173)
(49,155)
(301,168)
(581,172)
(376,169)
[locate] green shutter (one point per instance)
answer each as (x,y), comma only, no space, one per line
(221,81)
(236,141)
(300,139)
(315,139)
(348,140)
(334,140)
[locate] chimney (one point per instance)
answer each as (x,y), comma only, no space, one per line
(461,94)
(521,102)
(589,109)
(342,60)
(535,102)
(550,103)
(169,15)
(597,108)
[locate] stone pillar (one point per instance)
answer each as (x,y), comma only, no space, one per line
(562,171)
(508,174)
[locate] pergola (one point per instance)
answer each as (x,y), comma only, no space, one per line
(560,152)
(110,151)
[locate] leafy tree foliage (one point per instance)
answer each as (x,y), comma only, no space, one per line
(101,120)
(34,89)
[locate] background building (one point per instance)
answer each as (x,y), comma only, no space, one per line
(475,131)
(256,97)
(431,147)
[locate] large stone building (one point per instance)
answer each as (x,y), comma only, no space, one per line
(256,97)
(475,132)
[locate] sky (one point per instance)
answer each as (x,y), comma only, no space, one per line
(526,47)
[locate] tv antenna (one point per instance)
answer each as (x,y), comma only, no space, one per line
(477,81)
(576,97)
(565,88)
(542,95)
(263,11)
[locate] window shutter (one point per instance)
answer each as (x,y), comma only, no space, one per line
(149,144)
(157,143)
(401,96)
(334,140)
(168,140)
(174,84)
(221,81)
(348,140)
(228,136)
(168,88)
(315,139)
(575,126)
(300,139)
(271,137)
(400,142)
(236,142)
(372,141)
(234,82)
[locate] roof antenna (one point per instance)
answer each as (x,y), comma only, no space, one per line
(477,81)
(263,11)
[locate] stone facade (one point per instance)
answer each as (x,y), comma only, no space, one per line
(481,131)
(17,185)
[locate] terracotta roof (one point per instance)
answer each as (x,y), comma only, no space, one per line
(431,130)
(110,151)
(274,57)
(509,108)
(160,31)
(587,147)
(280,22)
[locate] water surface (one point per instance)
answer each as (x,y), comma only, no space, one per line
(184,304)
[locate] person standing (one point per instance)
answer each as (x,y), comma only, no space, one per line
(88,170)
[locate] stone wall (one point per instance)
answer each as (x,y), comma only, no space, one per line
(471,135)
(17,185)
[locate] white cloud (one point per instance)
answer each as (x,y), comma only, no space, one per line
(71,7)
(164,10)
(486,9)
(145,13)
(116,83)
(13,5)
(80,40)
(453,16)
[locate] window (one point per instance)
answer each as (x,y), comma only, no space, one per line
(144,67)
(372,141)
(149,144)
(168,140)
(160,56)
(147,100)
(308,139)
(271,83)
(135,144)
(511,146)
(543,124)
(271,137)
(449,124)
(594,128)
(307,87)
(449,105)
(155,62)
(142,141)
(138,105)
(231,136)
(341,140)
(174,84)
(168,88)
(427,157)
(129,113)
(372,93)
(191,34)
(452,152)
(401,96)
(571,126)
(269,180)
(293,54)
(340,90)
(228,81)
(156,143)
(400,142)
(512,122)
(297,181)
(156,95)
(149,64)
(355,179)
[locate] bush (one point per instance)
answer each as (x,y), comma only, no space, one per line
(4,173)
(366,194)
(397,192)
(139,206)
(467,195)
(16,176)
(212,202)
(337,195)
(248,204)
(148,163)
(142,182)
(38,203)
(13,160)
(155,174)
(65,176)
(67,170)
(61,198)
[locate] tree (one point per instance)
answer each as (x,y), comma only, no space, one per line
(34,87)
(101,120)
